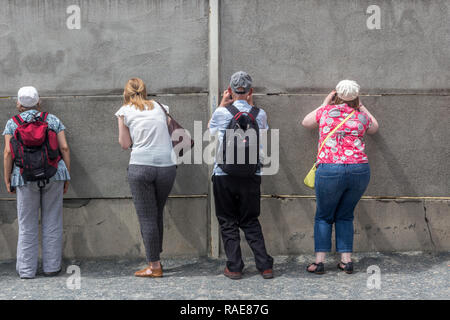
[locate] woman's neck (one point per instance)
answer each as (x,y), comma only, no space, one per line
(27,109)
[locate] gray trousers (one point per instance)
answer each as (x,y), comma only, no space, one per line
(29,200)
(150,186)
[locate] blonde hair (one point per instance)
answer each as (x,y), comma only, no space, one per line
(135,94)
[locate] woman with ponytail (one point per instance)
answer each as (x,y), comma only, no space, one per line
(152,166)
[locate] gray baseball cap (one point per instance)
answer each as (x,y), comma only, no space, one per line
(241,80)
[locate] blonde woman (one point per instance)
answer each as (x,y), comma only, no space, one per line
(343,171)
(152,167)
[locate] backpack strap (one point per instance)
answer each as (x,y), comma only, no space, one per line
(233,110)
(44,116)
(18,120)
(39,116)
(254,112)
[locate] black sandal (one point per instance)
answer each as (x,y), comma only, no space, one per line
(348,267)
(320,268)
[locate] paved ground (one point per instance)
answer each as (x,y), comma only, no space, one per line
(403,276)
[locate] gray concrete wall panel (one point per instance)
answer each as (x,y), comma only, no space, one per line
(308,46)
(407,155)
(162,40)
(380,226)
(98,163)
(110,228)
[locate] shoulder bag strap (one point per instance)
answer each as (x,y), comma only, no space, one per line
(334,130)
(163,109)
(169,117)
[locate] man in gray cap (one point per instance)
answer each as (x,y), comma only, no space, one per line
(237,198)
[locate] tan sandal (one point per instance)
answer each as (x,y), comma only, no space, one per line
(149,273)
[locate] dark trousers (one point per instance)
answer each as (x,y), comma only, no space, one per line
(237,203)
(150,187)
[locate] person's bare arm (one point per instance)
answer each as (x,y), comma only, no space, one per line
(374,128)
(124,134)
(310,120)
(7,163)
(227,99)
(65,153)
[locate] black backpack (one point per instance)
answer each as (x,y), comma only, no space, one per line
(241,138)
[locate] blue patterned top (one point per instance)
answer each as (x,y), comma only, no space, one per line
(54,124)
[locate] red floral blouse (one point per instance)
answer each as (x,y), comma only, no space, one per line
(346,145)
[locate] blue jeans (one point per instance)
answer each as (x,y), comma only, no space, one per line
(338,187)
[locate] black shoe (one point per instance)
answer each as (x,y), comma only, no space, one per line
(348,267)
(320,268)
(52,274)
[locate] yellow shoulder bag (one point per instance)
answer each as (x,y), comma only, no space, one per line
(311,176)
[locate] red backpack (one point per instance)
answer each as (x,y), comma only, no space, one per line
(35,149)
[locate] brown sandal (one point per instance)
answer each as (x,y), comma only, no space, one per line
(149,273)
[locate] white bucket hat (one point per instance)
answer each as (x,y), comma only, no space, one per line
(28,97)
(347,90)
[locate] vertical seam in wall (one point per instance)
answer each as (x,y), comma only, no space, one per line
(214,68)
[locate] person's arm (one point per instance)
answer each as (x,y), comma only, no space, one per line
(262,117)
(124,134)
(65,153)
(227,99)
(310,121)
(374,127)
(7,163)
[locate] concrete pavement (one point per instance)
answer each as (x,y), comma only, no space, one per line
(413,275)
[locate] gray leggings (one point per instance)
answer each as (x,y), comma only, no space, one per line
(150,186)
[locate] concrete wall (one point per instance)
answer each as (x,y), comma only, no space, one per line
(109,227)
(308,46)
(154,40)
(296,52)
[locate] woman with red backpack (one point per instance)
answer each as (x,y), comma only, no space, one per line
(36,167)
